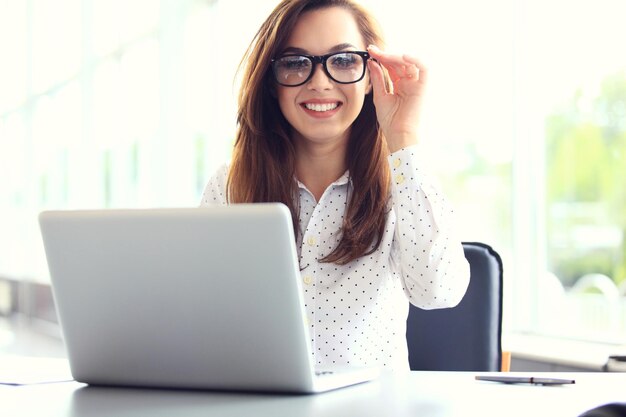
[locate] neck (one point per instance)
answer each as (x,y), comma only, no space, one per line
(319,165)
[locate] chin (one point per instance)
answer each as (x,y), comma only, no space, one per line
(325,136)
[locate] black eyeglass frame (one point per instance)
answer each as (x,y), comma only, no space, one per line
(322,59)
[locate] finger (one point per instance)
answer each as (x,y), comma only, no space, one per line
(398,65)
(385,57)
(422,71)
(377,78)
(413,60)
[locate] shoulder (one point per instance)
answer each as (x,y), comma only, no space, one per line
(215,190)
(411,170)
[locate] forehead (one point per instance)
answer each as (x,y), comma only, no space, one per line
(318,31)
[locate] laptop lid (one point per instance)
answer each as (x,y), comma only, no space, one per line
(205,298)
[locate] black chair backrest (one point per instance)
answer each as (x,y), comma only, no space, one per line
(467,337)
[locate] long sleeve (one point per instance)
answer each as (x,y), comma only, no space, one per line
(356,313)
(426,249)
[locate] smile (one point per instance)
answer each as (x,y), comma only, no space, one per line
(321,107)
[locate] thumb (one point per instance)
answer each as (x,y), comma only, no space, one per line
(377,78)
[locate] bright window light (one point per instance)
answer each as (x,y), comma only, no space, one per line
(109,103)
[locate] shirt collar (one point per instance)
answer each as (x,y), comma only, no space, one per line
(343,180)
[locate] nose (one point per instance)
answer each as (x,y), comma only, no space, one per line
(319,80)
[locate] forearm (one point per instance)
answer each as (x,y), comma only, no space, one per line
(426,249)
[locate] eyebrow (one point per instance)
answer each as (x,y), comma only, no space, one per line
(336,48)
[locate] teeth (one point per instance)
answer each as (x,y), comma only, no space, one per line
(321,107)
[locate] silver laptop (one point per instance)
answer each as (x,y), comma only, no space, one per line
(201,298)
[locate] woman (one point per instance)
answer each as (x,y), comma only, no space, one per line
(327,124)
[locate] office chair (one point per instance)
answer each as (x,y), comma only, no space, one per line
(468,336)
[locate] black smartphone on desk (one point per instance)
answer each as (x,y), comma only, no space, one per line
(524,380)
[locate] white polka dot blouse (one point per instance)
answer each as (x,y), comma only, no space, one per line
(357,312)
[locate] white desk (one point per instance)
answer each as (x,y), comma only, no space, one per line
(415,394)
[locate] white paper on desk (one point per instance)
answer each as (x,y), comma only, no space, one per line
(19,370)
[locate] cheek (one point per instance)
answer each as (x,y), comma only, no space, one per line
(286,100)
(368,88)
(357,94)
(366,83)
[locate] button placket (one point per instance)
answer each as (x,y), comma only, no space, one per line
(308,256)
(309,248)
(314,243)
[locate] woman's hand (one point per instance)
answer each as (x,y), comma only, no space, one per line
(398,107)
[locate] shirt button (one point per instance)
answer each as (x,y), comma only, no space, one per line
(399,179)
(311,241)
(307,280)
(397,162)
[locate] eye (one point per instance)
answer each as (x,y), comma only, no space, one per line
(293,63)
(344,60)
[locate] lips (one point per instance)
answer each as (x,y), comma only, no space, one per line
(319,107)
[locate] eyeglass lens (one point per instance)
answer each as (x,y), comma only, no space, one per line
(343,67)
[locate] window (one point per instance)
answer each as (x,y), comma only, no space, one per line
(575,95)
(525,124)
(132,104)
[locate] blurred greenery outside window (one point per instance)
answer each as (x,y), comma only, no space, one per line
(131,104)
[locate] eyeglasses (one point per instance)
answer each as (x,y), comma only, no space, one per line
(293,70)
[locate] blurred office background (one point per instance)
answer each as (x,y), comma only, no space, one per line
(111,103)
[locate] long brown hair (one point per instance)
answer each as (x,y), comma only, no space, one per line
(263,163)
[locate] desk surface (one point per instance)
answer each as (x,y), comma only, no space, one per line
(415,394)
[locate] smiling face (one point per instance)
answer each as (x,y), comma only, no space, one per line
(321,110)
